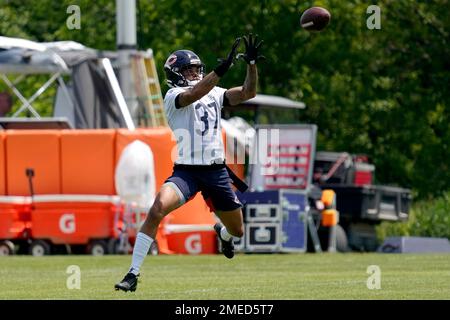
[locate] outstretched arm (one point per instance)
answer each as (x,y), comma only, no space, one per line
(209,81)
(237,95)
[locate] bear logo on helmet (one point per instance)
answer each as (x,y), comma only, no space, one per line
(172,59)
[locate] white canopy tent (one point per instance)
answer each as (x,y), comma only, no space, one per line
(24,58)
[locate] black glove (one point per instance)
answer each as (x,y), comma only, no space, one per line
(251,50)
(225,64)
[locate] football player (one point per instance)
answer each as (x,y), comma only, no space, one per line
(193,107)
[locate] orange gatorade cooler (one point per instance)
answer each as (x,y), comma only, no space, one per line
(191,238)
(14,217)
(75,219)
(15,223)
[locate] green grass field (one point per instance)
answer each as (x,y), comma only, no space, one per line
(257,276)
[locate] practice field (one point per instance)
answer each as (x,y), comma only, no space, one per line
(257,276)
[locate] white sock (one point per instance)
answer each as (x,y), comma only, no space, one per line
(225,235)
(140,251)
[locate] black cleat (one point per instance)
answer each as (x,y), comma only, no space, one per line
(129,283)
(227,246)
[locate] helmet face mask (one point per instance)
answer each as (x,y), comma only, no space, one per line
(178,68)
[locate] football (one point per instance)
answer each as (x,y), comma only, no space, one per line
(315,19)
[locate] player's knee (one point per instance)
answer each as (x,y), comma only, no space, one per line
(156,213)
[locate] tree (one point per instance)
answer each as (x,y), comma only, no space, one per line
(379,92)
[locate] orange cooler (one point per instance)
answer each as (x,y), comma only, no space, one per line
(87,161)
(14,217)
(191,239)
(38,150)
(75,219)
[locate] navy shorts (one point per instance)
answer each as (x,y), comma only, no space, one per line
(214,184)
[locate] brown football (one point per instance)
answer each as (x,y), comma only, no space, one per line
(315,19)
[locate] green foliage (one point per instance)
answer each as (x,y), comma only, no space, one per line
(379,92)
(427,219)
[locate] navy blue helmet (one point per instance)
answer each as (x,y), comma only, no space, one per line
(178,61)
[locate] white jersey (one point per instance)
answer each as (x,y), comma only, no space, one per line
(197,127)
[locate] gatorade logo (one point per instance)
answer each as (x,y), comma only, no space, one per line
(193,244)
(67,223)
